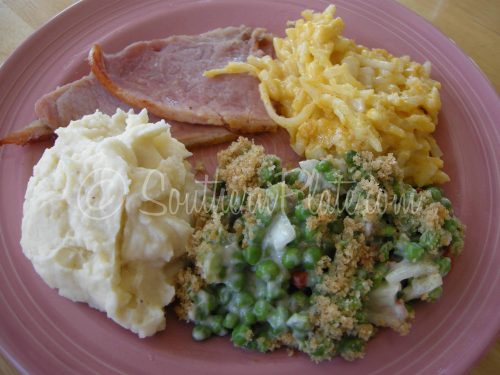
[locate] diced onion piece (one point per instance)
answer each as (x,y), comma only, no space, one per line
(421,285)
(406,270)
(311,178)
(280,233)
(384,295)
(383,309)
(308,165)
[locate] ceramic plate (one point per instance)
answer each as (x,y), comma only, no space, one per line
(41,332)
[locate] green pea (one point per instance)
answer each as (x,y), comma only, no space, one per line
(248,317)
(292,177)
(319,352)
(379,272)
(267,270)
(298,301)
(351,304)
(388,231)
(252,254)
(410,195)
(212,266)
(262,309)
(409,308)
(324,166)
(444,265)
(298,233)
(435,294)
(385,250)
(275,292)
(310,234)
(311,257)
(436,193)
(278,318)
(300,336)
(236,281)
(361,286)
(457,243)
(351,344)
(299,193)
(430,240)
(230,320)
(243,299)
(291,258)
(241,335)
(398,187)
(264,216)
(299,321)
(266,175)
(301,213)
(333,176)
(224,294)
(258,234)
(361,316)
(447,203)
(272,160)
(263,344)
(349,157)
(206,302)
(216,324)
(252,345)
(270,170)
(260,289)
(451,225)
(237,259)
(413,252)
(201,333)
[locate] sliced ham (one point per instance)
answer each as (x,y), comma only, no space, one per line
(85,96)
(35,132)
(66,103)
(74,100)
(166,77)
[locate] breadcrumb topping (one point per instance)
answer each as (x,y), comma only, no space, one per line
(348,243)
(239,163)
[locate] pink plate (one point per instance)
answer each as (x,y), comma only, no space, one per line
(41,332)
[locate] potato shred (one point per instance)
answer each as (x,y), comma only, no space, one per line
(333,95)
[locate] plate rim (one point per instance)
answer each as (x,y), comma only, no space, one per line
(75,9)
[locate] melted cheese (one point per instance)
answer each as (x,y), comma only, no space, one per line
(333,95)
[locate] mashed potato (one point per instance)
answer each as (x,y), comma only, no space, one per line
(333,95)
(101,222)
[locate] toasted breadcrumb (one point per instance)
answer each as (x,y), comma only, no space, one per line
(239,163)
(187,282)
(433,216)
(365,331)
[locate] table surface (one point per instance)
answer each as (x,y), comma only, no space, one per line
(473,24)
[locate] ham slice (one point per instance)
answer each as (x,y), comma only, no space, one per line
(74,100)
(166,77)
(66,103)
(37,131)
(85,96)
